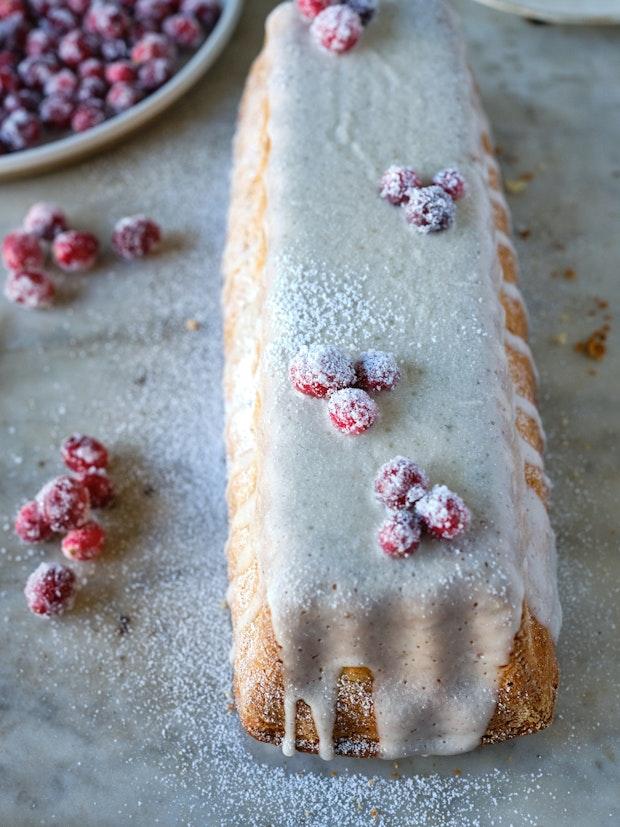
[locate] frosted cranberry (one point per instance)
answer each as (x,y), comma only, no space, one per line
(396,183)
(30,288)
(452,182)
(64,503)
(75,250)
(352,411)
(155,10)
(399,536)
(135,236)
(442,513)
(22,250)
(91,89)
(310,8)
(400,483)
(84,543)
(45,220)
(152,46)
(9,81)
(115,49)
(13,31)
(121,71)
(36,71)
(99,486)
(60,20)
(122,96)
(50,589)
(10,7)
(62,83)
(92,67)
(365,8)
(75,47)
(319,370)
(7,58)
(39,8)
(81,452)
(154,73)
(78,7)
(377,370)
(87,115)
(207,11)
(39,42)
(30,525)
(107,20)
(22,99)
(184,30)
(336,29)
(56,111)
(430,209)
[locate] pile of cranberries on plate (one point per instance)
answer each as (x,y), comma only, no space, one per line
(68,65)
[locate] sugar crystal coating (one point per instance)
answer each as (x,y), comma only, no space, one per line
(400,482)
(399,535)
(443,513)
(75,250)
(64,503)
(135,236)
(50,589)
(30,525)
(81,453)
(337,29)
(31,289)
(377,370)
(451,181)
(396,183)
(22,250)
(430,209)
(84,543)
(352,410)
(318,370)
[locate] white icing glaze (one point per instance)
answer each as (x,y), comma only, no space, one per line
(343,267)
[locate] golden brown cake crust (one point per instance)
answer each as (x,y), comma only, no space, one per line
(527,684)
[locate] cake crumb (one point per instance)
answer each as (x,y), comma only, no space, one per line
(595,346)
(192,325)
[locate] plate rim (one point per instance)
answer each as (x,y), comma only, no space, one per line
(560,17)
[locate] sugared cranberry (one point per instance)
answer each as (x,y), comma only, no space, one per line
(81,452)
(152,46)
(22,99)
(10,7)
(39,42)
(21,250)
(60,20)
(13,30)
(337,29)
(399,536)
(120,71)
(79,7)
(155,10)
(9,81)
(75,47)
(30,289)
(87,115)
(183,30)
(57,111)
(154,73)
(135,236)
(400,483)
(116,49)
(63,83)
(430,209)
(64,503)
(50,589)
(107,20)
(319,370)
(377,370)
(90,89)
(30,525)
(45,220)
(122,96)
(310,8)
(442,513)
(397,182)
(352,411)
(36,71)
(84,543)
(91,68)
(365,8)
(75,250)
(99,486)
(207,11)
(20,129)
(452,182)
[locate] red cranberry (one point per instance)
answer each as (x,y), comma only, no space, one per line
(20,129)
(22,99)
(352,411)
(9,81)
(122,96)
(45,220)
(36,71)
(22,250)
(84,543)
(91,68)
(154,73)
(377,370)
(121,71)
(184,30)
(75,250)
(396,183)
(75,47)
(50,589)
(80,453)
(91,89)
(155,10)
(60,21)
(135,236)
(399,536)
(365,8)
(430,209)
(207,11)
(64,503)
(62,83)
(452,182)
(39,42)
(310,8)
(11,7)
(152,46)
(442,513)
(7,58)
(30,525)
(99,486)
(319,370)
(337,29)
(30,288)
(78,7)
(115,49)
(400,483)
(87,115)
(56,111)
(107,20)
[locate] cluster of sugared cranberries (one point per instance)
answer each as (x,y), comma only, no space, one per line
(428,208)
(63,506)
(56,58)
(337,27)
(403,488)
(324,371)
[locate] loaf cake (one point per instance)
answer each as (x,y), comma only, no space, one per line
(338,647)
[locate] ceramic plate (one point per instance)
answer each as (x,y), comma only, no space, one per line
(599,12)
